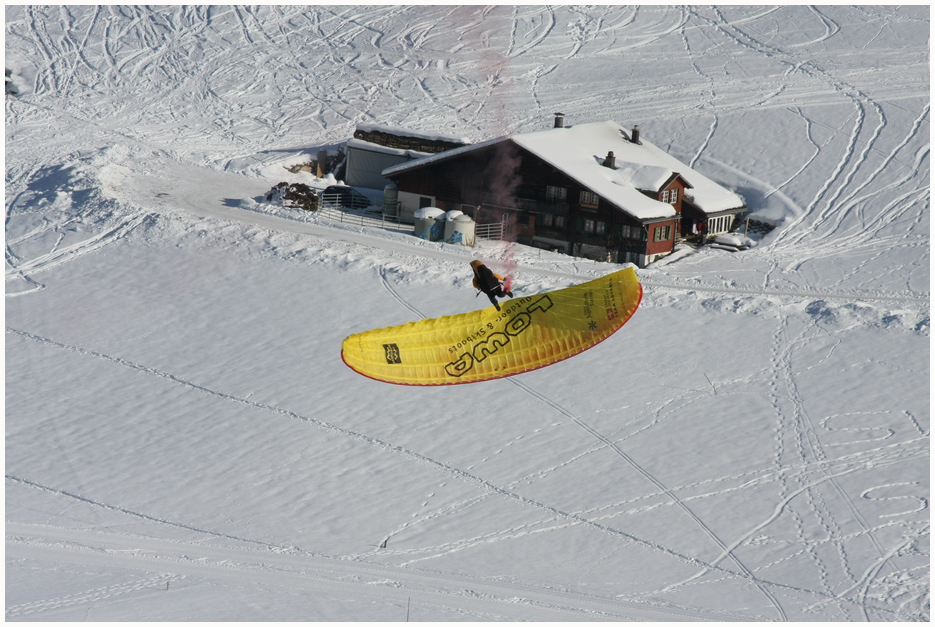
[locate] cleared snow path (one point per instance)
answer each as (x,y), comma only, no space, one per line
(205,194)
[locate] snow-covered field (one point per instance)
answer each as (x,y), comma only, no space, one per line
(183,441)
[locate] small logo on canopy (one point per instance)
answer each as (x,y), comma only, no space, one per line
(392,354)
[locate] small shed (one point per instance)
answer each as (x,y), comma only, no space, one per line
(375,148)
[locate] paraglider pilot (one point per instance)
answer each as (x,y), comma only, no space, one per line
(489,283)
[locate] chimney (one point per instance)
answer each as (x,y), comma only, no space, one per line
(559,120)
(635,135)
(610,160)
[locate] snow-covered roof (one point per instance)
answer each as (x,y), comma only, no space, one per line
(386,150)
(405,132)
(645,177)
(579,151)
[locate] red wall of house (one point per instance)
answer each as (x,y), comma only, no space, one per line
(664,246)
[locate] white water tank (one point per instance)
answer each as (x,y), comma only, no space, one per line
(460,230)
(426,227)
(443,223)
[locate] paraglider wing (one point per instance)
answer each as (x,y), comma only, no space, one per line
(528,333)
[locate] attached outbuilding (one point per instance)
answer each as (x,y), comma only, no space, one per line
(375,148)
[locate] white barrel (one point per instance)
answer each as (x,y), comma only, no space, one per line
(460,230)
(425,223)
(445,223)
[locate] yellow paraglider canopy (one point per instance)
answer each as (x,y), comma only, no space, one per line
(528,333)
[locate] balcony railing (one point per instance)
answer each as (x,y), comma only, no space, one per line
(514,203)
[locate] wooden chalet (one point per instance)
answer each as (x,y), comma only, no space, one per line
(589,190)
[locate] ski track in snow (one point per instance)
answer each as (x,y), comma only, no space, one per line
(744,575)
(456,472)
(816,455)
(835,210)
(652,479)
(573,518)
(177,103)
(58,256)
(658,484)
(91,596)
(181,562)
